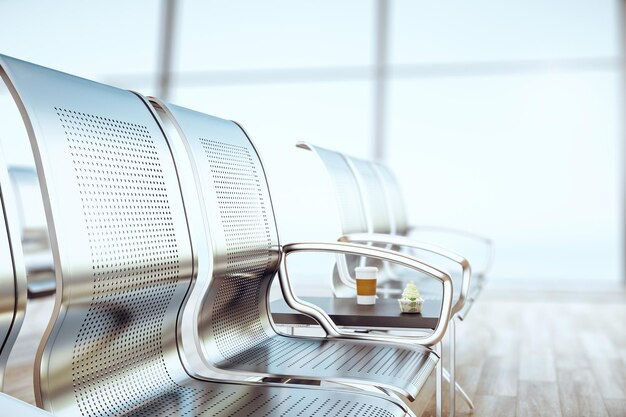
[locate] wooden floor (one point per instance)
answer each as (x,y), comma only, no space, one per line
(532,354)
(524,354)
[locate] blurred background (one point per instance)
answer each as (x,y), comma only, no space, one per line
(501,118)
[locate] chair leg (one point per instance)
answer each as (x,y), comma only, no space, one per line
(460,389)
(452,379)
(439,381)
(451,375)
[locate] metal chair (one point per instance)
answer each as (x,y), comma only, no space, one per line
(386,225)
(125,264)
(381,232)
(352,218)
(361,198)
(234,329)
(12,271)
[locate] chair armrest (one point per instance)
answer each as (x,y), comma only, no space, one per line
(488,243)
(406,242)
(326,322)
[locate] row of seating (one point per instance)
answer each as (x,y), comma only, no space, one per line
(372,211)
(165,245)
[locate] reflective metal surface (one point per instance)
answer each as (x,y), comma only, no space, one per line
(351,212)
(380,212)
(346,188)
(383,254)
(34,230)
(462,290)
(12,270)
(373,198)
(386,224)
(394,199)
(378,204)
(465,295)
(124,264)
(235,332)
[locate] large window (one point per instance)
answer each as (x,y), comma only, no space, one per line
(503,118)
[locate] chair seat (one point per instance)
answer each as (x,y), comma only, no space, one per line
(399,368)
(212,399)
(195,398)
(123,233)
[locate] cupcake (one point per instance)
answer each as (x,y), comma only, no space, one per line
(411,302)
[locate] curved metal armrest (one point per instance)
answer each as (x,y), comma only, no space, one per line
(488,243)
(414,244)
(326,322)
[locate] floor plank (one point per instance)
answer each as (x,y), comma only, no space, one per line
(538,399)
(611,377)
(556,355)
(615,407)
(537,364)
(497,406)
(579,394)
(499,376)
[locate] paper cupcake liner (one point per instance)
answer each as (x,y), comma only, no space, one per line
(411,306)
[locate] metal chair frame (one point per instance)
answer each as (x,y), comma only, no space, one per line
(12,270)
(125,264)
(241,229)
(401,226)
(374,229)
(387,227)
(34,231)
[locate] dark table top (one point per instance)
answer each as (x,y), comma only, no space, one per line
(346,312)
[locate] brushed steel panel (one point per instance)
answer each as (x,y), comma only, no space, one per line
(34,231)
(234,330)
(124,264)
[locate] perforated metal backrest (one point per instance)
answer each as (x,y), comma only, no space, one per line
(120,242)
(346,189)
(373,195)
(352,215)
(394,198)
(240,221)
(12,270)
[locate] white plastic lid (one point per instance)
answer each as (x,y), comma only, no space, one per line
(366,272)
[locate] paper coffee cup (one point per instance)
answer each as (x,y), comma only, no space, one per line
(366,284)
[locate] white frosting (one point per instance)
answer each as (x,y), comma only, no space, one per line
(410,292)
